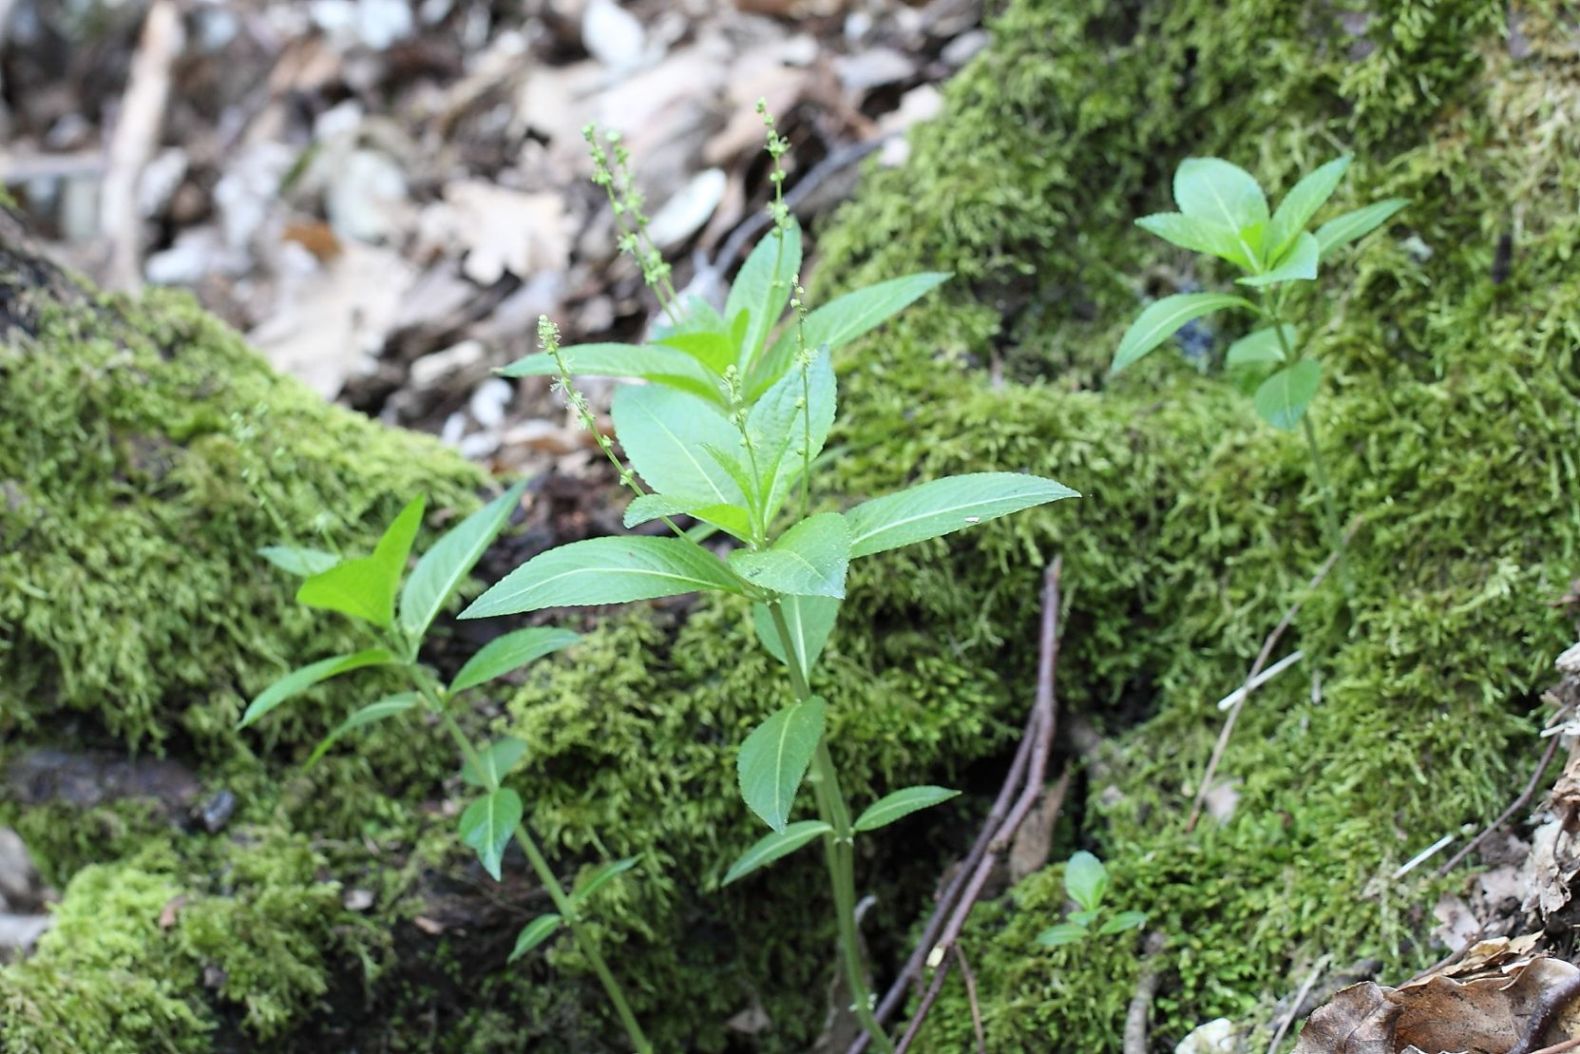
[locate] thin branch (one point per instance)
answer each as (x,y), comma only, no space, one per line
(1138,1013)
(971,999)
(1294,1008)
(1514,807)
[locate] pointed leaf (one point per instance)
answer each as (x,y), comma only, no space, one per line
(604,571)
(809,559)
(943,506)
(1198,235)
(774,759)
(645,507)
(789,426)
(602,877)
(901,803)
(1255,355)
(1302,203)
(1163,318)
(1086,880)
(389,706)
(1125,920)
(298,560)
(762,288)
(365,587)
(1298,265)
(1282,399)
(652,362)
(1211,189)
(665,433)
(810,620)
(774,846)
(1061,934)
(1352,225)
(714,349)
(511,652)
(298,681)
(497,760)
(535,933)
(487,825)
(441,570)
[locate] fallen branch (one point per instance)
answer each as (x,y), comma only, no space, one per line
(1515,806)
(971,1000)
(1294,1008)
(1139,1012)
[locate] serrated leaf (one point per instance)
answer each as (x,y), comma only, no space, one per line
(841,321)
(661,365)
(496,761)
(1298,265)
(666,435)
(943,506)
(1302,203)
(810,559)
(1125,920)
(901,803)
(789,426)
(645,507)
(1255,355)
(1352,225)
(774,759)
(298,681)
(775,846)
(604,571)
(762,289)
(1061,934)
(441,570)
(487,825)
(387,707)
(810,620)
(1282,398)
(1086,880)
(298,559)
(535,933)
(1198,235)
(1212,189)
(605,874)
(510,652)
(1164,318)
(365,587)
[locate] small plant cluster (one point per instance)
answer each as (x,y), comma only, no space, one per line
(1086,883)
(1224,213)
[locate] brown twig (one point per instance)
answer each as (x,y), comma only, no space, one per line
(1140,1009)
(1514,807)
(1268,643)
(1553,1002)
(1559,1048)
(1300,998)
(971,999)
(1040,730)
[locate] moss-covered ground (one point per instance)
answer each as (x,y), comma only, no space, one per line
(161,453)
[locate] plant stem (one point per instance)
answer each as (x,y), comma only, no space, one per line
(1330,513)
(838,851)
(540,866)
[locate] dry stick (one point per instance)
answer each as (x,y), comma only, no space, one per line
(1042,744)
(1300,997)
(1553,1002)
(1514,807)
(1256,668)
(971,999)
(1140,1008)
(1559,1048)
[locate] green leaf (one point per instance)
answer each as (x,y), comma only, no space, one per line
(712,348)
(789,426)
(441,570)
(1251,358)
(901,803)
(841,321)
(774,759)
(1302,203)
(1352,225)
(535,933)
(487,825)
(1298,265)
(604,571)
(1163,318)
(809,619)
(298,560)
(1282,399)
(602,877)
(1211,189)
(389,706)
(298,681)
(365,587)
(1125,920)
(1061,934)
(762,288)
(496,761)
(645,507)
(773,846)
(809,559)
(943,506)
(652,362)
(666,434)
(1198,235)
(510,652)
(1086,880)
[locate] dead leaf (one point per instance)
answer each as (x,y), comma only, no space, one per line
(499,230)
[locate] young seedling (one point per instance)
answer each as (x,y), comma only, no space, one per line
(365,588)
(1086,883)
(1223,213)
(727,431)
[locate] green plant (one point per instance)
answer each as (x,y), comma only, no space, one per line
(1224,213)
(1086,883)
(727,431)
(365,588)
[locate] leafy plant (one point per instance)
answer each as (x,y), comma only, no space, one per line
(1224,213)
(1086,883)
(367,588)
(728,430)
